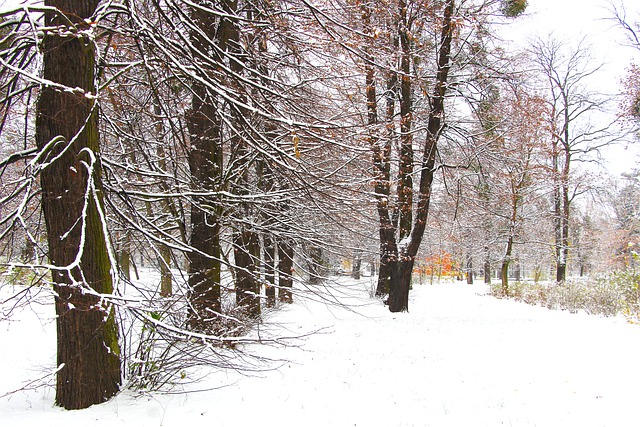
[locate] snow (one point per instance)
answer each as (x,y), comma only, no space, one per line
(459,358)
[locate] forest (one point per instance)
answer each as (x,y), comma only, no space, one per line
(249,153)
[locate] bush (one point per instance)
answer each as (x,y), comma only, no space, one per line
(607,296)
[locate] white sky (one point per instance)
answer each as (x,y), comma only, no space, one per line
(571,20)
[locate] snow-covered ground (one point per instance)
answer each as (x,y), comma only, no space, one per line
(459,358)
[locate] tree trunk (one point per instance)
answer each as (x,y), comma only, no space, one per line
(400,285)
(246,242)
(561,273)
(504,276)
(469,271)
(381,157)
(205,163)
(504,271)
(205,166)
(269,256)
(405,169)
(266,182)
(315,264)
(164,251)
(401,281)
(357,265)
(487,268)
(124,257)
(384,277)
(285,271)
(246,251)
(166,288)
(67,133)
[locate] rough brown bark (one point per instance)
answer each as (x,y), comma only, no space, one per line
(381,156)
(246,252)
(285,271)
(382,168)
(67,132)
(400,284)
(405,170)
(205,165)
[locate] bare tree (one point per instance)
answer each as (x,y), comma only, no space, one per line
(575,134)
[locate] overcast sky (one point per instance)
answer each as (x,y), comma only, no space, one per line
(572,20)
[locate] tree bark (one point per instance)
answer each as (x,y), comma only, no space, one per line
(381,156)
(266,182)
(285,271)
(405,169)
(166,288)
(357,265)
(400,285)
(315,264)
(487,267)
(269,256)
(504,271)
(401,276)
(246,247)
(205,166)
(469,269)
(67,133)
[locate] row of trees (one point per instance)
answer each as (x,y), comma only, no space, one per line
(242,145)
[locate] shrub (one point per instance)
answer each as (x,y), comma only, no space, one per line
(606,296)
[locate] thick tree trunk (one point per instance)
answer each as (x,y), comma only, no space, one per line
(246,252)
(67,132)
(381,149)
(561,201)
(382,167)
(205,165)
(384,277)
(246,242)
(400,283)
(405,169)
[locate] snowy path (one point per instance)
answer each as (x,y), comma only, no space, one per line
(457,359)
